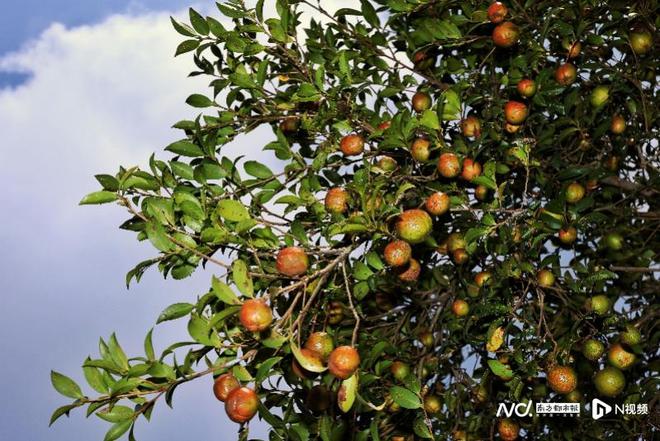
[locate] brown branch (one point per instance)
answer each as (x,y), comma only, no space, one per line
(634,269)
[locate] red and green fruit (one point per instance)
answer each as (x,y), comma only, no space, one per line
(562,379)
(437,204)
(414,225)
(449,165)
(515,112)
(292,261)
(397,253)
(224,385)
(255,315)
(352,145)
(506,34)
(242,405)
(343,362)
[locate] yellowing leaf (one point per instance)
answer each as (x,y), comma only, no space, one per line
(495,340)
(347,393)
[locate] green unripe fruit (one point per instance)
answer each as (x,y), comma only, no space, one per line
(599,304)
(613,241)
(593,349)
(610,382)
(631,336)
(600,95)
(400,370)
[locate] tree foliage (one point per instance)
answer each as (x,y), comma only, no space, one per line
(529,211)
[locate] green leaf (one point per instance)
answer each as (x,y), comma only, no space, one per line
(99,197)
(94,378)
(175,311)
(265,369)
(430,119)
(405,398)
(501,370)
(483,180)
(182,29)
(347,393)
(116,415)
(232,210)
(117,430)
(117,353)
(198,22)
(65,385)
(258,170)
(162,370)
(182,170)
(242,279)
(186,46)
(158,237)
(63,410)
(452,105)
(201,101)
(185,148)
(369,13)
(224,292)
(421,429)
(149,346)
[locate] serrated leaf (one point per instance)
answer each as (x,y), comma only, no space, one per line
(224,292)
(116,415)
(232,210)
(186,46)
(430,119)
(421,429)
(63,410)
(65,385)
(241,277)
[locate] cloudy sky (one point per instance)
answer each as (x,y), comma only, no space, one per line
(85,86)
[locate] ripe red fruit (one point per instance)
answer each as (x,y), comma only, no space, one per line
(321,344)
(511,128)
(508,429)
(545,278)
(460,308)
(397,253)
(460,256)
(471,169)
(515,112)
(423,60)
(482,278)
(292,261)
(411,272)
(448,165)
(506,34)
(566,74)
(526,87)
(471,127)
(336,200)
(421,101)
(420,149)
(574,193)
(352,145)
(496,12)
(241,405)
(437,204)
(567,235)
(385,125)
(619,357)
(414,225)
(618,125)
(255,315)
(224,385)
(562,379)
(343,362)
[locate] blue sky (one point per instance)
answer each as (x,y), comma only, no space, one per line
(85,86)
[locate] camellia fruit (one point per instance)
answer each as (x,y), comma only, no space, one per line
(335,313)
(471,169)
(526,87)
(562,379)
(419,149)
(460,308)
(255,315)
(343,362)
(497,12)
(545,278)
(421,101)
(573,49)
(471,127)
(411,272)
(448,165)
(397,253)
(481,192)
(506,34)
(336,200)
(599,304)
(511,128)
(385,125)
(613,241)
(567,235)
(292,261)
(508,429)
(618,125)
(432,404)
(515,112)
(631,336)
(566,74)
(387,163)
(352,145)
(455,241)
(437,204)
(599,96)
(574,397)
(320,343)
(426,338)
(575,192)
(610,382)
(224,385)
(481,278)
(460,256)
(400,370)
(641,41)
(619,357)
(414,225)
(593,349)
(290,125)
(423,60)
(242,405)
